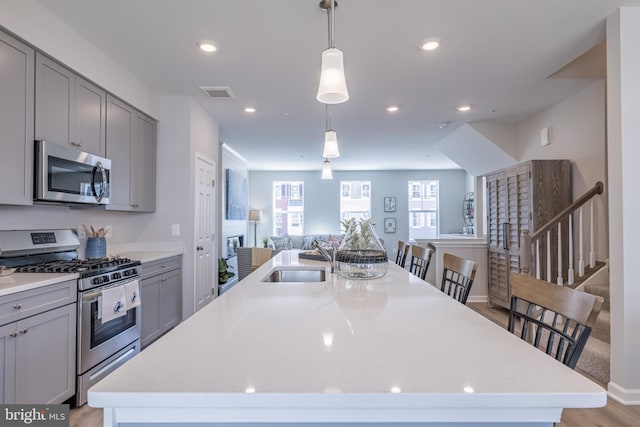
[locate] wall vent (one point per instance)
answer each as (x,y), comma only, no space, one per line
(218,92)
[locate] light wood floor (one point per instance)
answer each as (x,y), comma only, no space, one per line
(612,415)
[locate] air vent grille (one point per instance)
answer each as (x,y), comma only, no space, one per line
(218,92)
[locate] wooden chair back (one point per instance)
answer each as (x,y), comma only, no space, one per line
(403,251)
(457,276)
(251,258)
(420,259)
(555,319)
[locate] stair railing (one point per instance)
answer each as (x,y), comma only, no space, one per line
(530,245)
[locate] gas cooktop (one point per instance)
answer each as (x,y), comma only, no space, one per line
(87,267)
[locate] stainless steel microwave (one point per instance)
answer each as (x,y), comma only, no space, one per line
(67,175)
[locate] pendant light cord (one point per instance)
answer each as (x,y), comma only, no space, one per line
(328,124)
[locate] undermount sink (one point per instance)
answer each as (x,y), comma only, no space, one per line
(297,275)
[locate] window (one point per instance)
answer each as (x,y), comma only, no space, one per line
(355,199)
(288,207)
(423,209)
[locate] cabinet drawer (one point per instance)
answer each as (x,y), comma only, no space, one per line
(27,303)
(154,268)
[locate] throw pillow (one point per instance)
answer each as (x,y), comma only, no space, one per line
(297,241)
(281,242)
(308,241)
(335,240)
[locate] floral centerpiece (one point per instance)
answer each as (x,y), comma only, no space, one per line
(361,255)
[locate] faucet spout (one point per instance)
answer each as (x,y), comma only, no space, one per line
(327,251)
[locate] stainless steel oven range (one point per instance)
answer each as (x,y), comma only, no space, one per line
(101,346)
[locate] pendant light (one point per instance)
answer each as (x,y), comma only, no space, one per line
(333,85)
(330,150)
(326,170)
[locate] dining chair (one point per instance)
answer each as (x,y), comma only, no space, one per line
(553,318)
(457,276)
(420,259)
(403,251)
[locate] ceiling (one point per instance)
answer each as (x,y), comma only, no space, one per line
(496,55)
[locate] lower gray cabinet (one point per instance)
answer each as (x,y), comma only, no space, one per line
(38,357)
(161,298)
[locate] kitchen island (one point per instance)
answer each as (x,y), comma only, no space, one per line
(391,350)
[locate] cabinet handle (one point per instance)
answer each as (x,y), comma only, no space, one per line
(13,334)
(24,331)
(505,236)
(163,266)
(76,144)
(135,205)
(164,279)
(17,306)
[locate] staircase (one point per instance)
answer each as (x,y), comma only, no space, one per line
(595,357)
(577,270)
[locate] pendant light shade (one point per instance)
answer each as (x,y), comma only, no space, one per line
(326,170)
(333,85)
(330,145)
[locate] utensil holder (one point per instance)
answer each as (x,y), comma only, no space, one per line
(96,247)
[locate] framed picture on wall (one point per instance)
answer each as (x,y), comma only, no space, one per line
(390,204)
(389,225)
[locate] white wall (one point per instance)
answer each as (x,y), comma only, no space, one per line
(39,27)
(577,132)
(322,202)
(623,133)
(184,130)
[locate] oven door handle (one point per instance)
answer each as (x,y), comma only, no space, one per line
(103,187)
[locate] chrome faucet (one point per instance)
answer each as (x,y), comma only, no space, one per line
(327,251)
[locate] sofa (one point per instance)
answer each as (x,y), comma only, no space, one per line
(302,242)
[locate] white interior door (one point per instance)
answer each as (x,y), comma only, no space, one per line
(206,265)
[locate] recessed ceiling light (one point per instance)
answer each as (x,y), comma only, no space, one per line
(207,46)
(250,109)
(431,44)
(443,125)
(464,108)
(392,108)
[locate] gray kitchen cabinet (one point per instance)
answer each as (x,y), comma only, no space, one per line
(38,351)
(16,121)
(131,146)
(69,109)
(161,298)
(521,198)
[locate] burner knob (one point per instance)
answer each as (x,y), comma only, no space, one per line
(116,276)
(96,281)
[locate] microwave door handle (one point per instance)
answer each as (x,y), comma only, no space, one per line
(104,181)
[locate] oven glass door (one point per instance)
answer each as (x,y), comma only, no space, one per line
(98,340)
(102,332)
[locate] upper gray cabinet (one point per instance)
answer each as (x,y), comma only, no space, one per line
(69,109)
(131,146)
(16,121)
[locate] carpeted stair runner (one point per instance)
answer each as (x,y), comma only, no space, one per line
(595,358)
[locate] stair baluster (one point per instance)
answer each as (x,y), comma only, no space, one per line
(531,263)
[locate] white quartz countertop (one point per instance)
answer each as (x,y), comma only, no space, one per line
(146,255)
(18,282)
(394,343)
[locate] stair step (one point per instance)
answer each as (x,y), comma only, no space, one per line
(601,290)
(594,359)
(602,329)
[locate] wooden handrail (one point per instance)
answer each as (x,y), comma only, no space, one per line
(597,189)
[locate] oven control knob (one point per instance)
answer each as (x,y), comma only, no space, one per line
(96,280)
(116,276)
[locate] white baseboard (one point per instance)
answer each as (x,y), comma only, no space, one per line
(625,396)
(477,298)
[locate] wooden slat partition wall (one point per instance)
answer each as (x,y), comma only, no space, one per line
(541,245)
